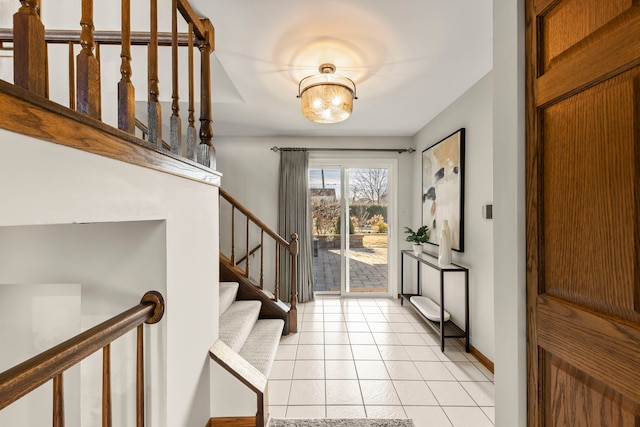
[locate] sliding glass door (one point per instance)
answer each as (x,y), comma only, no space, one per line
(351,205)
(326,197)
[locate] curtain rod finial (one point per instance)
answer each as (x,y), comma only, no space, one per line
(275,149)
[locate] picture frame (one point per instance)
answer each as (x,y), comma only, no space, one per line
(443,188)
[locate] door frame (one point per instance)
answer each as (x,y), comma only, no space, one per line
(343,162)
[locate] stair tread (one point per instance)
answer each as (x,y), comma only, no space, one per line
(228,292)
(262,344)
(237,322)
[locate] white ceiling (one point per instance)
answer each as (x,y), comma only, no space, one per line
(409,58)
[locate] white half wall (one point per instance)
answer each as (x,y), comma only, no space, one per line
(509,232)
(471,111)
(45,183)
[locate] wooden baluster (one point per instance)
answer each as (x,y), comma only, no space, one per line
(72,77)
(29,49)
(175,123)
(126,91)
(233,235)
(58,401)
(154,108)
(246,241)
(293,312)
(140,377)
(276,285)
(106,386)
(206,153)
(262,259)
(88,82)
(46,70)
(190,152)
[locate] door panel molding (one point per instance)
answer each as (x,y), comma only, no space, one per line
(571,24)
(579,69)
(584,178)
(594,403)
(562,332)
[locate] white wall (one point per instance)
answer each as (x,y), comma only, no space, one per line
(45,183)
(251,170)
(473,112)
(115,263)
(34,318)
(509,213)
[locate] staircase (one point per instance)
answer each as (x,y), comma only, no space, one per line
(253,261)
(241,329)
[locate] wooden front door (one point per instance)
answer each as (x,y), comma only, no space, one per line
(583,212)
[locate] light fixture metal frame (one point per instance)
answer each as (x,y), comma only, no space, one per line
(328,69)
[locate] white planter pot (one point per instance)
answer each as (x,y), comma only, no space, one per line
(417,249)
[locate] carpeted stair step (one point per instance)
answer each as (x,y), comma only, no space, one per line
(262,344)
(228,292)
(237,322)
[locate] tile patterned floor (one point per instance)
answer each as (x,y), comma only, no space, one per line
(372,358)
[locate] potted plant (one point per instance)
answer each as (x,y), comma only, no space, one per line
(418,237)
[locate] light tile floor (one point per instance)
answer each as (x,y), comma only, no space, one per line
(372,358)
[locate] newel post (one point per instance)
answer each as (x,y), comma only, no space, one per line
(293,312)
(206,154)
(88,86)
(30,49)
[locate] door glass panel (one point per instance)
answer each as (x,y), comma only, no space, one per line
(368,230)
(325,187)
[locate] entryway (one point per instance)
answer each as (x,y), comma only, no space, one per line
(352,206)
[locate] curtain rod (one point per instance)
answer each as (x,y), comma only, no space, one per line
(396,150)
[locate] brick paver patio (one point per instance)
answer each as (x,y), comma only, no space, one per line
(368,270)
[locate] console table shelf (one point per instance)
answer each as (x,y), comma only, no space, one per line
(444,329)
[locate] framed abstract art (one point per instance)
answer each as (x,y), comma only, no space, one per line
(443,188)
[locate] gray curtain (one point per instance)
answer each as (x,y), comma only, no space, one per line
(294,216)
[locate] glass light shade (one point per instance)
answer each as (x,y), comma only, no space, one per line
(327,98)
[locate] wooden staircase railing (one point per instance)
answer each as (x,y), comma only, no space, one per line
(284,253)
(51,364)
(31,70)
(246,373)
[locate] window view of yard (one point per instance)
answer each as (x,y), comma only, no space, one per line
(367,233)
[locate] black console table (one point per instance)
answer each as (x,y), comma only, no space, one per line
(444,329)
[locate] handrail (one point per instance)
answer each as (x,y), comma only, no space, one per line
(291,248)
(256,220)
(138,38)
(27,376)
(237,366)
(190,15)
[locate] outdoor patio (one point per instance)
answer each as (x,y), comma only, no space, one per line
(368,268)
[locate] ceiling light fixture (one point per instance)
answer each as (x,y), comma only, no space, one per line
(327,97)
